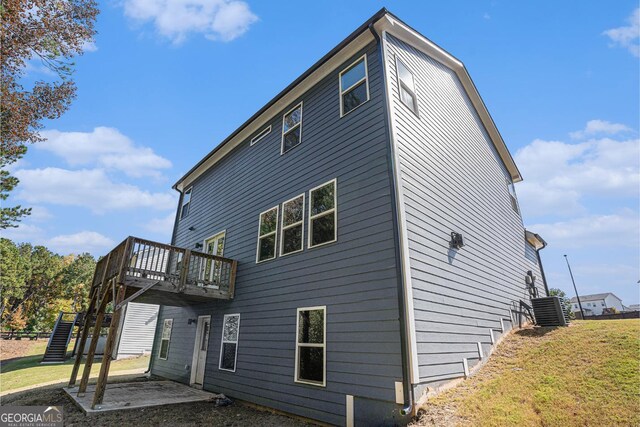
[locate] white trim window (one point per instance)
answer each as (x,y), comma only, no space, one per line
(311,349)
(323,214)
(186,202)
(266,131)
(406,86)
(267,235)
(229,342)
(354,85)
(291,128)
(163,351)
(292,226)
(512,196)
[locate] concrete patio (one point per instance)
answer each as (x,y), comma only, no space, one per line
(140,394)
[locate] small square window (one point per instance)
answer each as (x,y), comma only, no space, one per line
(266,131)
(354,86)
(291,128)
(186,201)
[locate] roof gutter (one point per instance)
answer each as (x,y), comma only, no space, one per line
(407,389)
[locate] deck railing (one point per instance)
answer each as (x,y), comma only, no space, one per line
(145,259)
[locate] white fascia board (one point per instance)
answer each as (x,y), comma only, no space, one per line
(275,110)
(408,35)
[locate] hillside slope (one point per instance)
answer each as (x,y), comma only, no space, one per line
(587,374)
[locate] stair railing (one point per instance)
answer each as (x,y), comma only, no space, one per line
(55,327)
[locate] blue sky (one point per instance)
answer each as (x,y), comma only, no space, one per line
(162,85)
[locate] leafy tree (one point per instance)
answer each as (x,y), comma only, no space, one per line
(14,271)
(564,301)
(16,320)
(52,31)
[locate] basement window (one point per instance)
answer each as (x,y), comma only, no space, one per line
(291,128)
(186,201)
(354,86)
(229,345)
(311,350)
(323,220)
(407,87)
(267,235)
(166,337)
(292,227)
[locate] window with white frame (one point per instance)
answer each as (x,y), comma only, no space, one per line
(311,350)
(407,86)
(166,337)
(229,345)
(186,201)
(354,86)
(266,131)
(512,195)
(323,220)
(267,235)
(292,228)
(291,128)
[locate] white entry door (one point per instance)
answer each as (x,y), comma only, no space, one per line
(200,351)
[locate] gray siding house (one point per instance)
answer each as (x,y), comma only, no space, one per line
(379,243)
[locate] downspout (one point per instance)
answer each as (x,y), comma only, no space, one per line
(173,240)
(544,278)
(407,390)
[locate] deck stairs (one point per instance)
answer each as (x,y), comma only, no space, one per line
(59,340)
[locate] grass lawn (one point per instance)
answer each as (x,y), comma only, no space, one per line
(28,371)
(587,374)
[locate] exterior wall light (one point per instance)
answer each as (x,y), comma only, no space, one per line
(456,240)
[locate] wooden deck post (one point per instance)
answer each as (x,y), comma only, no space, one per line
(83,339)
(104,298)
(108,349)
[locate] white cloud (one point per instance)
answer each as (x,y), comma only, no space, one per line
(23,233)
(559,175)
(105,147)
(176,19)
(89,46)
(162,226)
(84,241)
(593,231)
(599,127)
(90,188)
(39,214)
(627,36)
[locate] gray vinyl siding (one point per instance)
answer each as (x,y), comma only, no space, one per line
(452,179)
(136,336)
(355,278)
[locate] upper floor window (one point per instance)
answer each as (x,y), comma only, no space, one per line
(267,235)
(354,87)
(407,87)
(512,195)
(292,227)
(291,128)
(322,214)
(186,201)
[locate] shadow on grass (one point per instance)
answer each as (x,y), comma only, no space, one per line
(536,332)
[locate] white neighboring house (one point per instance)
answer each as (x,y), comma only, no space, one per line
(595,304)
(137,328)
(633,307)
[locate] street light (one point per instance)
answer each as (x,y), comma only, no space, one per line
(574,287)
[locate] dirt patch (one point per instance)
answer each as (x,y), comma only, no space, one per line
(12,349)
(184,414)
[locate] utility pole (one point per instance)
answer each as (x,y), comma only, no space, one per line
(574,287)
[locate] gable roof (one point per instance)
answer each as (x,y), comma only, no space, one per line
(594,297)
(381,21)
